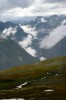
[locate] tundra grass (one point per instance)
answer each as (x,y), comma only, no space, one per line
(49,74)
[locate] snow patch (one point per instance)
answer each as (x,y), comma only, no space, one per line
(20,86)
(43,78)
(49,90)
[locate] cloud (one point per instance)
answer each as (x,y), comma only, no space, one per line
(30,30)
(53,38)
(21,3)
(42,58)
(10,9)
(31,51)
(16,13)
(55,1)
(8,31)
(10,4)
(26,42)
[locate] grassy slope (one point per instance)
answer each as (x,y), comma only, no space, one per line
(49,74)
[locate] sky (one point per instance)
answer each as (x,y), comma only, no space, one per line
(13,9)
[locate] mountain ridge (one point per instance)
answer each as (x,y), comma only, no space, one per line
(13,55)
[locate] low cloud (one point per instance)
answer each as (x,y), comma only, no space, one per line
(30,30)
(53,38)
(31,51)
(8,31)
(26,42)
(42,58)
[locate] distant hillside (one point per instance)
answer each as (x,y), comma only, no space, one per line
(11,54)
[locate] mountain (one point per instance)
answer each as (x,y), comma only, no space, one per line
(49,35)
(58,50)
(25,77)
(44,80)
(11,30)
(22,20)
(42,37)
(11,54)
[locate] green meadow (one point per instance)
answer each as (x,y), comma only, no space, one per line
(45,80)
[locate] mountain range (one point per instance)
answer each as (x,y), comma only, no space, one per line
(48,35)
(11,54)
(38,39)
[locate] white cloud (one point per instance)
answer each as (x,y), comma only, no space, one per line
(42,58)
(9,4)
(26,42)
(43,19)
(55,1)
(54,37)
(16,12)
(8,31)
(30,30)
(37,8)
(31,51)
